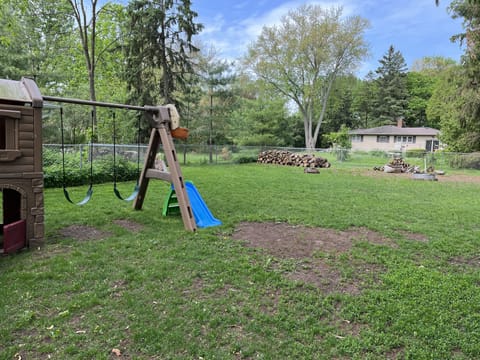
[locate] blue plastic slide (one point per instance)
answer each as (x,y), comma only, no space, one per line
(201,213)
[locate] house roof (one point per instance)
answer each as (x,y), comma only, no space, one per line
(395,130)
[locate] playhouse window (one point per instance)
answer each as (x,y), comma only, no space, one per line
(3,132)
(9,135)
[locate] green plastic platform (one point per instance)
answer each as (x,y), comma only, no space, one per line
(170,205)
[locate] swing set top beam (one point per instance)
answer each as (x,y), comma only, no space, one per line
(99,103)
(160,117)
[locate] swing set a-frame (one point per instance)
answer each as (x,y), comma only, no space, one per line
(164,120)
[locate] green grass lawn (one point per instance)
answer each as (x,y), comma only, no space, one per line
(159,292)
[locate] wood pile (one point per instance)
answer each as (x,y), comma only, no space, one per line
(398,164)
(283,157)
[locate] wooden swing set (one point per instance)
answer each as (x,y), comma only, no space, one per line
(165,124)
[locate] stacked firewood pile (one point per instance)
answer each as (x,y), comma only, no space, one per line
(398,165)
(283,157)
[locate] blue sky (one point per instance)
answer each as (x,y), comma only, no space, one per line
(416,28)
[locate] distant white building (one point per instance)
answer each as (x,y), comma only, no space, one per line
(395,138)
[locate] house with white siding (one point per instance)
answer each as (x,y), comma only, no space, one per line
(395,138)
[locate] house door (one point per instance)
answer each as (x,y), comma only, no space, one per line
(432,145)
(13,228)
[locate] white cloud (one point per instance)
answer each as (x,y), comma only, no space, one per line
(233,37)
(415,27)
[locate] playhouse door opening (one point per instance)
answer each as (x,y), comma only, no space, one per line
(13,228)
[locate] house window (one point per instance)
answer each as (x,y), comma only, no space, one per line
(383,138)
(405,139)
(356,138)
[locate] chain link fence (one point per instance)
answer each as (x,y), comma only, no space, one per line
(80,155)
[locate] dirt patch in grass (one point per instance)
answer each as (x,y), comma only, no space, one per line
(83,233)
(442,178)
(305,244)
(413,236)
(473,262)
(297,241)
(129,225)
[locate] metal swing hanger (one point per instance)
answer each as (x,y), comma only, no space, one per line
(117,193)
(89,193)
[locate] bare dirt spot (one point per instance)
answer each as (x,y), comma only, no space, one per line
(464,261)
(304,244)
(129,225)
(83,233)
(296,241)
(413,236)
(441,178)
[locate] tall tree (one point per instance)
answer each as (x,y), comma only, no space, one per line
(159,48)
(32,34)
(445,106)
(420,88)
(365,94)
(216,79)
(392,87)
(469,114)
(432,65)
(86,19)
(301,58)
(340,109)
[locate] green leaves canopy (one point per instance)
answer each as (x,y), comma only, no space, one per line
(301,58)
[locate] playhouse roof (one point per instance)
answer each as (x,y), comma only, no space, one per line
(23,91)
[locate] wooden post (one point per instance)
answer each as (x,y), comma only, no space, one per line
(160,134)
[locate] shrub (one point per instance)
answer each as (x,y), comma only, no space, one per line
(103,172)
(378,153)
(466,161)
(415,153)
(245,159)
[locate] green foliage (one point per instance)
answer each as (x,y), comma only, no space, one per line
(103,171)
(245,159)
(415,153)
(466,161)
(340,138)
(392,87)
(282,58)
(159,45)
(364,101)
(340,110)
(445,107)
(420,87)
(468,113)
(340,142)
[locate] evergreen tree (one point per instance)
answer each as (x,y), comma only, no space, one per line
(392,87)
(216,79)
(159,49)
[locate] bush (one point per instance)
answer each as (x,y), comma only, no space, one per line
(378,153)
(415,153)
(245,159)
(103,172)
(466,161)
